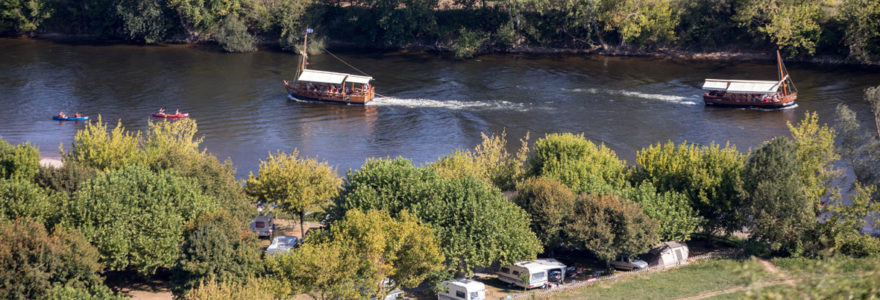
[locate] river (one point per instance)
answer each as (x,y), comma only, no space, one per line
(429,106)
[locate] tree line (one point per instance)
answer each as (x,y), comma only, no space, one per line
(152,202)
(804,28)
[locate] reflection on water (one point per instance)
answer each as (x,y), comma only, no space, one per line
(429,105)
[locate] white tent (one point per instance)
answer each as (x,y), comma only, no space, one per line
(670,254)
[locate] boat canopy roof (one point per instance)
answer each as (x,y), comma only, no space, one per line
(332,77)
(742,86)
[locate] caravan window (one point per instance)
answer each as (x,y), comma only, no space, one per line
(505,270)
(540,276)
(515,273)
(460,294)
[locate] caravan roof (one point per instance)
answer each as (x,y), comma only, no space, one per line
(540,264)
(468,284)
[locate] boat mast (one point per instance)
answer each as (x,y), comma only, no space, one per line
(303,54)
(781,76)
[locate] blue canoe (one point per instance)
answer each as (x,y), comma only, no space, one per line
(70,119)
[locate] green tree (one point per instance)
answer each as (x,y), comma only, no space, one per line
(135,217)
(609,226)
(23,199)
(816,154)
(578,163)
(198,17)
(215,248)
(233,35)
(66,179)
(861,150)
(253,288)
(872,95)
(289,16)
(143,20)
(792,25)
(322,270)
(710,176)
(474,223)
(296,185)
(675,217)
(642,22)
(550,205)
(390,253)
(23,16)
(35,262)
(862,20)
(845,221)
(777,204)
(94,147)
(18,162)
(489,162)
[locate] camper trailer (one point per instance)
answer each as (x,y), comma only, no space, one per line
(536,273)
(670,254)
(462,289)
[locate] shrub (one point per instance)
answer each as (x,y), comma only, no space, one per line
(608,226)
(550,205)
(710,176)
(468,43)
(233,36)
(22,199)
(94,147)
(18,162)
(253,288)
(136,217)
(35,262)
(577,163)
(489,162)
(216,248)
(66,179)
(675,217)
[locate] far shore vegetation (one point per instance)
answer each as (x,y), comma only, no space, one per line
(156,203)
(844,30)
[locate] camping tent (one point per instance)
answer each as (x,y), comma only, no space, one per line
(670,254)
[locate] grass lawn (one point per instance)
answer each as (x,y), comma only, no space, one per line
(682,282)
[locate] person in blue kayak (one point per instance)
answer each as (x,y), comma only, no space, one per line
(76,115)
(62,115)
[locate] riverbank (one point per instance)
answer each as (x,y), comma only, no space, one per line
(732,55)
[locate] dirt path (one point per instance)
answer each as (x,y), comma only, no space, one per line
(780,277)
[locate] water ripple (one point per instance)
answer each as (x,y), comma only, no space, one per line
(450,104)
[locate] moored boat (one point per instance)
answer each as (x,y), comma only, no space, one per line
(315,85)
(59,118)
(752,93)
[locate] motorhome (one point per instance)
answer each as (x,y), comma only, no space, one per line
(541,272)
(462,289)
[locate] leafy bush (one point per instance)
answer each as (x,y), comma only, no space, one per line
(143,20)
(233,36)
(18,162)
(216,248)
(23,16)
(578,163)
(550,205)
(322,270)
(608,226)
(675,217)
(22,199)
(710,176)
(468,43)
(253,288)
(94,147)
(66,179)
(489,162)
(475,224)
(288,16)
(36,263)
(779,211)
(136,217)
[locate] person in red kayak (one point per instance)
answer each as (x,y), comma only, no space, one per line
(162,110)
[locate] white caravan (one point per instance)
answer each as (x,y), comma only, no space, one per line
(462,289)
(537,273)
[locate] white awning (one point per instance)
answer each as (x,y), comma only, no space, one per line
(332,77)
(359,79)
(741,86)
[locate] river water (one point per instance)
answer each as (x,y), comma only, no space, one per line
(430,105)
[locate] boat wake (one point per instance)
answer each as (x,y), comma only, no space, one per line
(661,97)
(449,104)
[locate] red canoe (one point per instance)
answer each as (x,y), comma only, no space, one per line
(158,115)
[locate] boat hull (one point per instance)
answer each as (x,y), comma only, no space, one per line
(723,101)
(69,119)
(175,116)
(338,98)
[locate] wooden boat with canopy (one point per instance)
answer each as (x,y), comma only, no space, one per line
(752,93)
(315,85)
